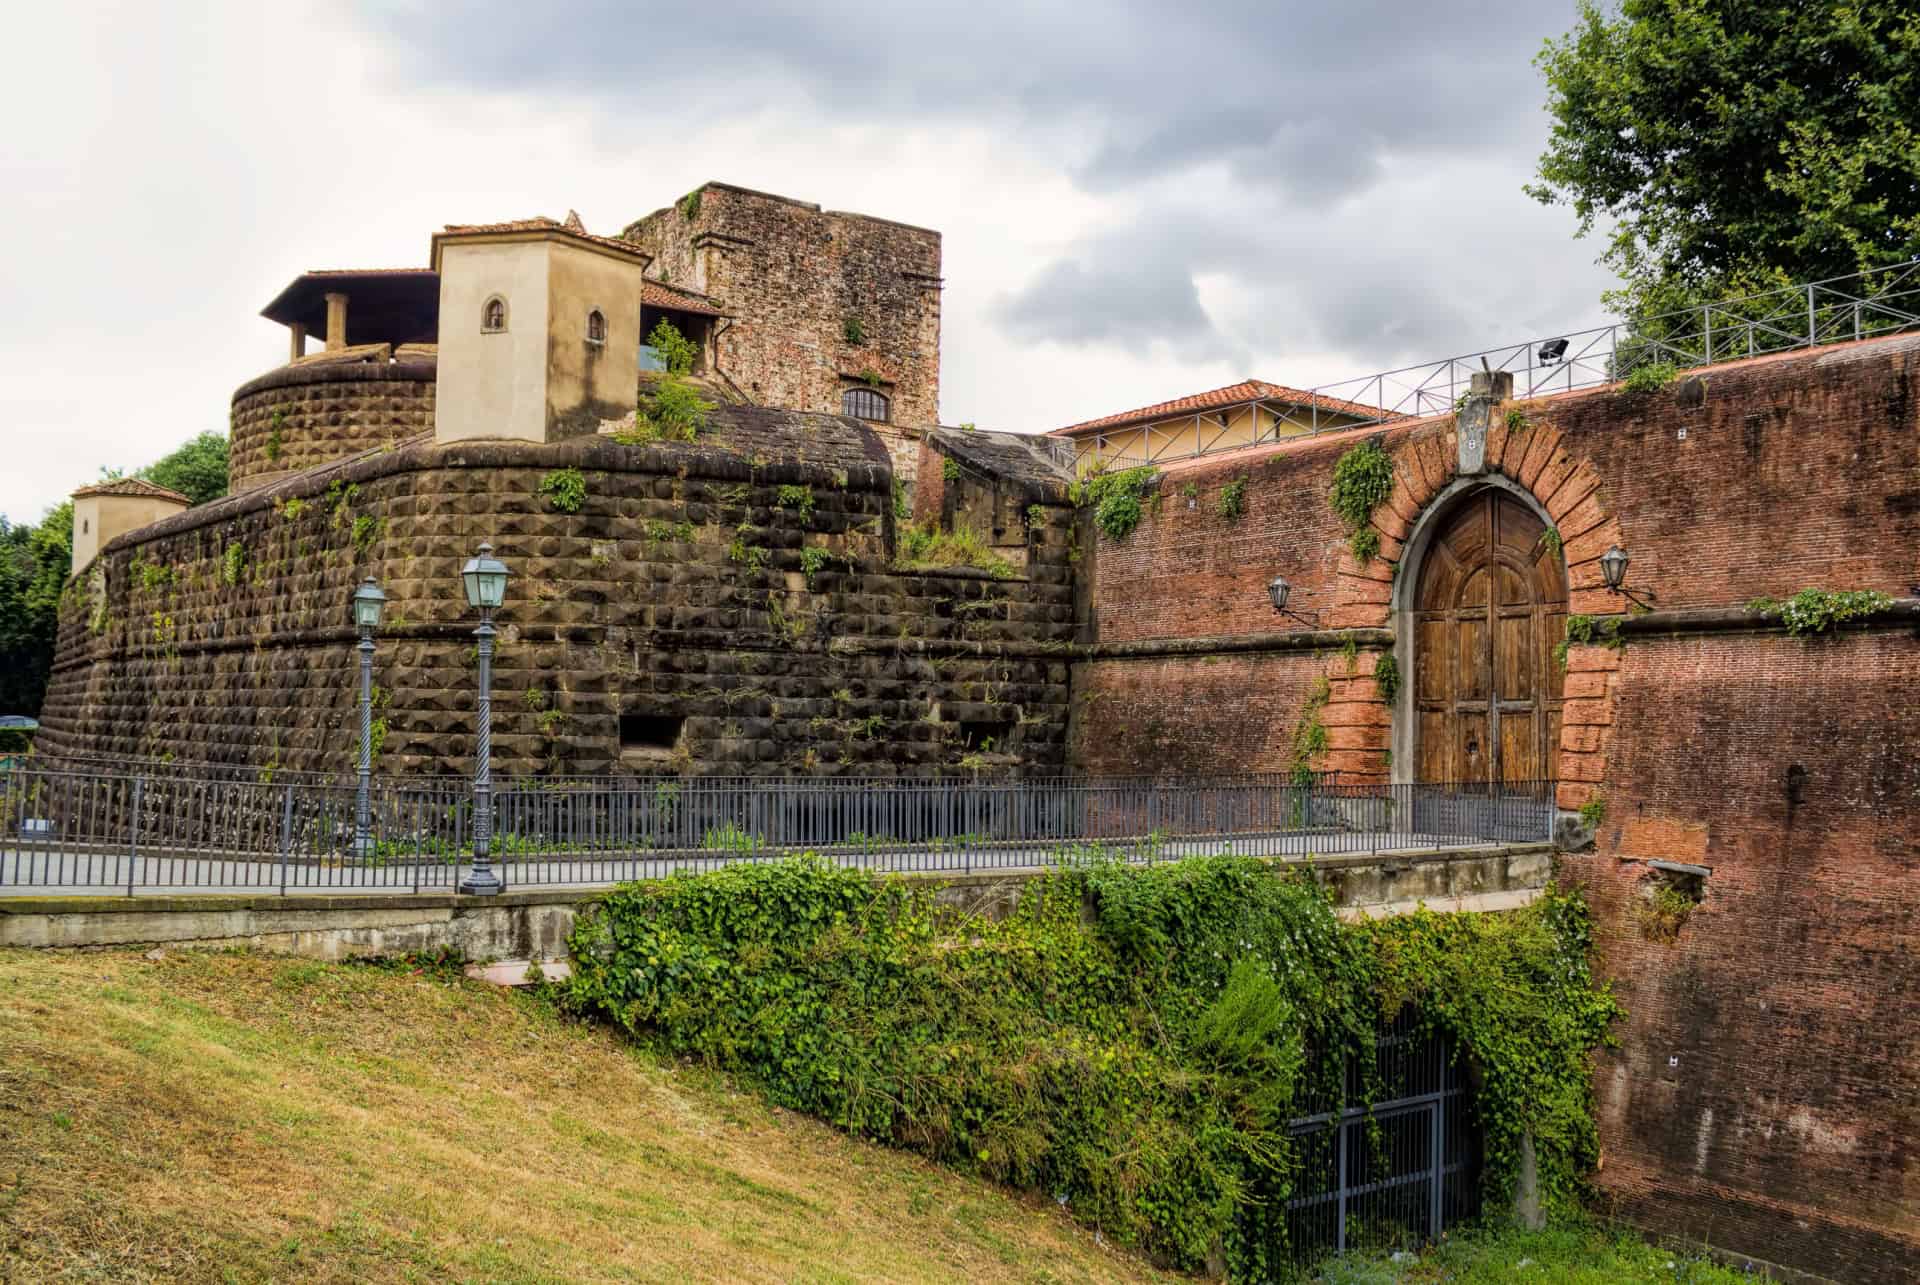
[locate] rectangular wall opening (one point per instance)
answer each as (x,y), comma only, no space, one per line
(650,735)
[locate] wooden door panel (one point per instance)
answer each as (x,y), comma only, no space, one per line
(1473,661)
(1519,747)
(1473,752)
(1430,658)
(1490,605)
(1516,659)
(1436,745)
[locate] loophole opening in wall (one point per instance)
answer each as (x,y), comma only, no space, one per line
(650,735)
(1665,898)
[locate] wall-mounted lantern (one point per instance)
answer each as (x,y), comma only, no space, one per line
(1613,569)
(1278,591)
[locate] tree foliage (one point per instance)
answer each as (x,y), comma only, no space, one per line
(1736,147)
(197,469)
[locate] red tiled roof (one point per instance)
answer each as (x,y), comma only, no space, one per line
(658,294)
(541,223)
(131,486)
(1247,390)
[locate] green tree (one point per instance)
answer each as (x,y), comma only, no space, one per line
(198,469)
(33,568)
(1734,147)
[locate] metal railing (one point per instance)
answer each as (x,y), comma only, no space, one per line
(1863,305)
(69,830)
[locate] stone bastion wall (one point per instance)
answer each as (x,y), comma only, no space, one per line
(737,600)
(301,416)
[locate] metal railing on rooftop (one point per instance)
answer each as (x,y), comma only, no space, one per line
(1863,305)
(72,831)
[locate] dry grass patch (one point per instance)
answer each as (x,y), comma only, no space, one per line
(241,1117)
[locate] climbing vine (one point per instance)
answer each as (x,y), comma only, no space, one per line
(1362,481)
(1130,1041)
(1115,498)
(1386,676)
(1309,733)
(1588,631)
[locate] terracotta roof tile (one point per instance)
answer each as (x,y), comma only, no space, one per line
(541,223)
(1247,390)
(132,486)
(659,294)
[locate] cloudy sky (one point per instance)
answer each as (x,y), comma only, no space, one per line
(1138,201)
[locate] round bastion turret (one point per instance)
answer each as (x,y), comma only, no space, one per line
(313,412)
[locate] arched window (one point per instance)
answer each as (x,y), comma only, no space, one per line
(864,403)
(596,327)
(494,316)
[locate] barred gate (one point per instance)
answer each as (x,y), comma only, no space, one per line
(1398,1175)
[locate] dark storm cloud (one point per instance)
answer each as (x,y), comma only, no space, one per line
(1293,109)
(1296,96)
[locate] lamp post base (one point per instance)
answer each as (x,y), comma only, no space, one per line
(481,883)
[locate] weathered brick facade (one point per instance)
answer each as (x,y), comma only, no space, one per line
(1791,768)
(301,416)
(795,277)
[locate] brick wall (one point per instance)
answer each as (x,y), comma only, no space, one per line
(792,275)
(300,417)
(1766,1093)
(1786,1130)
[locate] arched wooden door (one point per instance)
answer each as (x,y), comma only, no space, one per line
(1490,605)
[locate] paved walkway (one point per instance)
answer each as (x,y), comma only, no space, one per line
(33,873)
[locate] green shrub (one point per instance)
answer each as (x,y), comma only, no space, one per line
(1233,499)
(1651,377)
(1815,611)
(1131,1041)
(1115,498)
(565,489)
(675,349)
(930,547)
(797,499)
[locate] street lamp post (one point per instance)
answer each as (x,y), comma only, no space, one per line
(485,580)
(367,604)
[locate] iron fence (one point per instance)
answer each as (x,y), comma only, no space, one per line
(1862,305)
(73,830)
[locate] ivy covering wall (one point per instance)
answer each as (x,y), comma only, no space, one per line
(1131,1041)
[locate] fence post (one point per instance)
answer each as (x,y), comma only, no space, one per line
(286,833)
(133,834)
(1813,336)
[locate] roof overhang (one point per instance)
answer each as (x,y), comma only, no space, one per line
(384,306)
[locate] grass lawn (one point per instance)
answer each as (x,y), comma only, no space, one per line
(242,1117)
(1557,1256)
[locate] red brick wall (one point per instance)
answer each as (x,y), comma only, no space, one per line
(1791,999)
(1790,1127)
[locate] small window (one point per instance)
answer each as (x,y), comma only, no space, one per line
(596,327)
(493,317)
(650,735)
(864,403)
(86,525)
